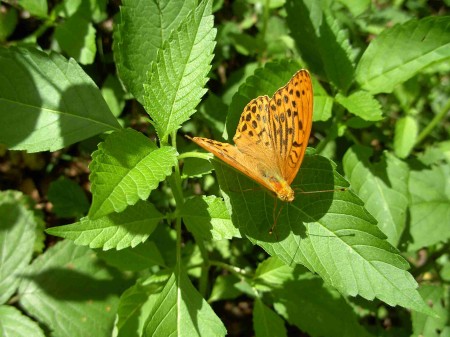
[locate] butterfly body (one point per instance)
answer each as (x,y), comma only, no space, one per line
(271,137)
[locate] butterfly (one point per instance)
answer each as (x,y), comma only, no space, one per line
(271,137)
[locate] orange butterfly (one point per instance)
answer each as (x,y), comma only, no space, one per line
(271,137)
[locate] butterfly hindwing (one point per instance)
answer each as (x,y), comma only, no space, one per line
(291,109)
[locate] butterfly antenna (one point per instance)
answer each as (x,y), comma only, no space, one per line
(275,217)
(340,189)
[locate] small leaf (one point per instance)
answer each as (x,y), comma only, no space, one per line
(16,324)
(17,237)
(330,233)
(323,103)
(47,102)
(382,186)
(207,218)
(406,130)
(126,167)
(117,230)
(175,83)
(180,310)
(76,36)
(140,30)
(361,104)
(267,323)
(8,22)
(429,208)
(273,272)
(68,198)
(68,285)
(411,47)
(195,167)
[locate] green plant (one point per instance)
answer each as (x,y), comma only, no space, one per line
(160,252)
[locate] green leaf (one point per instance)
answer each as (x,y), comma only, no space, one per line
(17,237)
(8,22)
(135,305)
(272,272)
(14,323)
(195,167)
(225,288)
(411,47)
(180,310)
(117,230)
(361,104)
(406,130)
(383,187)
(207,218)
(265,81)
(321,42)
(141,29)
(175,83)
(141,257)
(68,198)
(429,208)
(126,167)
(266,323)
(76,37)
(356,7)
(213,112)
(308,304)
(112,92)
(323,103)
(35,7)
(47,102)
(330,233)
(424,325)
(68,285)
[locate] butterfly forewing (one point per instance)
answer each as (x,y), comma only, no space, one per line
(291,111)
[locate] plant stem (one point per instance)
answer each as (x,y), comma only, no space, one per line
(240,273)
(439,117)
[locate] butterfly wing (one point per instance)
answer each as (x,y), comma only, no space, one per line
(232,155)
(291,109)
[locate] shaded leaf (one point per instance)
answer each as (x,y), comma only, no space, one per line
(48,102)
(266,322)
(330,233)
(68,198)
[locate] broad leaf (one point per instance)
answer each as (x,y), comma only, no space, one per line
(321,42)
(361,104)
(68,285)
(207,218)
(117,230)
(76,36)
(68,198)
(383,187)
(14,323)
(330,233)
(35,7)
(267,323)
(308,304)
(175,83)
(140,30)
(126,167)
(48,102)
(410,47)
(429,209)
(17,236)
(180,310)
